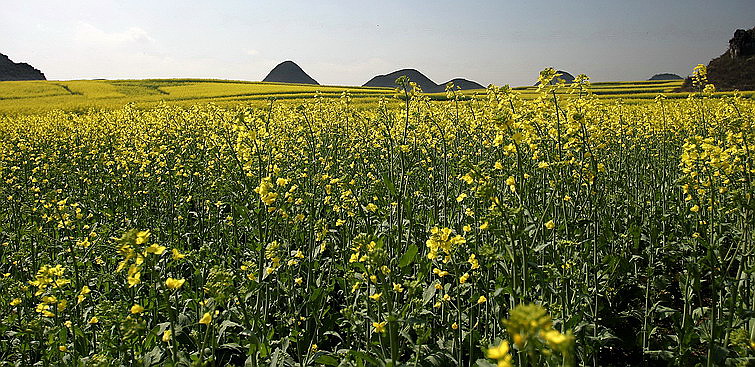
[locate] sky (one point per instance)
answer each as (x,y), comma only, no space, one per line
(348,42)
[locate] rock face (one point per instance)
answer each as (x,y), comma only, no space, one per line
(289,72)
(742,44)
(665,76)
(735,68)
(464,84)
(427,85)
(565,77)
(10,70)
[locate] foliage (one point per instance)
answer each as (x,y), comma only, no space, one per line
(323,234)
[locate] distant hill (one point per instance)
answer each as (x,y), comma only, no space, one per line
(735,68)
(565,76)
(389,80)
(10,70)
(464,84)
(665,76)
(427,85)
(289,72)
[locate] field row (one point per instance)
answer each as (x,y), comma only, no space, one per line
(43,96)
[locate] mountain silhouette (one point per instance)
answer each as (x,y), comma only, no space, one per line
(10,70)
(427,85)
(289,72)
(389,80)
(464,84)
(665,76)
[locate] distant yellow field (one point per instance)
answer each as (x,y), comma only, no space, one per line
(41,96)
(24,97)
(628,91)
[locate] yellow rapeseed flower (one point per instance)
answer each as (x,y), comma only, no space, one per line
(473,262)
(141,237)
(155,249)
(177,255)
(166,335)
(501,354)
(481,300)
(134,278)
(379,327)
(137,309)
(206,319)
(174,283)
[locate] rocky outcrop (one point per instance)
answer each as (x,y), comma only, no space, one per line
(743,43)
(665,76)
(735,68)
(10,70)
(289,72)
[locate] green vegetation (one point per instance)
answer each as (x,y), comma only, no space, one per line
(560,229)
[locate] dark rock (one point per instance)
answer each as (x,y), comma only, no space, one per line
(565,77)
(10,70)
(389,81)
(289,72)
(464,84)
(665,76)
(743,43)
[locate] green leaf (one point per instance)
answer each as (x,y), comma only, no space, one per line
(389,184)
(153,357)
(408,257)
(365,357)
(226,324)
(428,294)
(484,363)
(327,360)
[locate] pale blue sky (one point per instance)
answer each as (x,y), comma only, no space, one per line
(348,42)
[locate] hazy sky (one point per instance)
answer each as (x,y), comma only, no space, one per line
(347,42)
